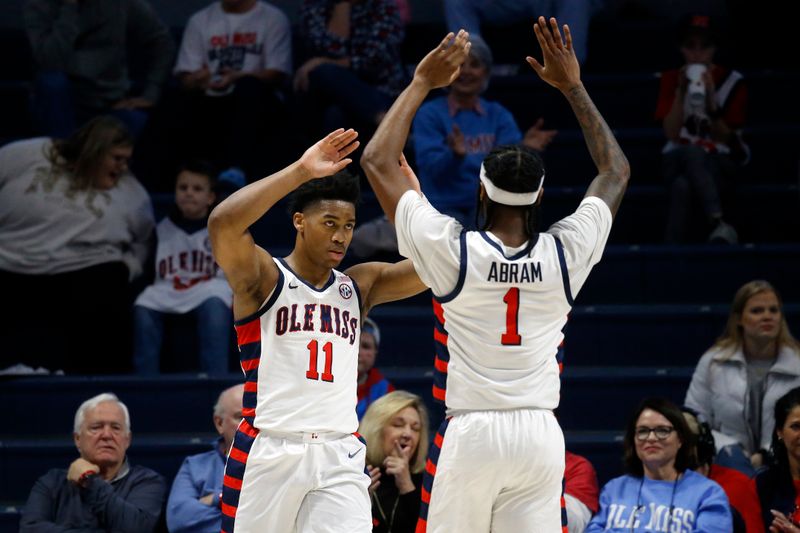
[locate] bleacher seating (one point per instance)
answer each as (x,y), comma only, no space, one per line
(642,320)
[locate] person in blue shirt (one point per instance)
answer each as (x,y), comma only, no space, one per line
(372,384)
(194,501)
(453,134)
(661,491)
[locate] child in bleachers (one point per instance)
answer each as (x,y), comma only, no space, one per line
(187,279)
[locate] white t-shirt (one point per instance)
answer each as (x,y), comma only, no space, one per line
(246,42)
(500,311)
(48,229)
(186,273)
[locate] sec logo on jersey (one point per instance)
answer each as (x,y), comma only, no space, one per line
(345,291)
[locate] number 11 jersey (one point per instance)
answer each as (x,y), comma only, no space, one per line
(299,353)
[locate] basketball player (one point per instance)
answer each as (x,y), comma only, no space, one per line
(501,298)
(296,464)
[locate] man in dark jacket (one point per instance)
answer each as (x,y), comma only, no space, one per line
(99,491)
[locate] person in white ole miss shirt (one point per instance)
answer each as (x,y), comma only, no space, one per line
(298,322)
(501,298)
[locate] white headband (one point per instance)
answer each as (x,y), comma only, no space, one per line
(505,197)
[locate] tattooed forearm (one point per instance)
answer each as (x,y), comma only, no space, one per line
(612,166)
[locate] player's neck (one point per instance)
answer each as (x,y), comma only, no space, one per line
(237,9)
(313,273)
(509,227)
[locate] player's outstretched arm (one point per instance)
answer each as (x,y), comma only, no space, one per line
(560,69)
(249,268)
(381,156)
(385,282)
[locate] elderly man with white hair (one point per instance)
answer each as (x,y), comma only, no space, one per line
(194,501)
(100,491)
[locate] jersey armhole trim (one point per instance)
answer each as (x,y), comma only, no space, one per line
(358,295)
(462,270)
(267,305)
(564,272)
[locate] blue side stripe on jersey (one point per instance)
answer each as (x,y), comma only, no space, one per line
(519,255)
(462,270)
(328,283)
(267,306)
(564,273)
(433,459)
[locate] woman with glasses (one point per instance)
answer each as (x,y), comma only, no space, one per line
(660,491)
(779,484)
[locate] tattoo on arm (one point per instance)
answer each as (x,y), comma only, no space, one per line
(612,166)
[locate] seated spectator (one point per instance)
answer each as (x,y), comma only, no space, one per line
(371,383)
(454,133)
(660,491)
(779,484)
(395,428)
(702,109)
(81,50)
(77,228)
(194,500)
(738,380)
(739,487)
(470,15)
(352,67)
(100,491)
(187,279)
(233,60)
(580,492)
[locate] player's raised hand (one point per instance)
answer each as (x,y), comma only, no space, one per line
(560,68)
(329,155)
(442,65)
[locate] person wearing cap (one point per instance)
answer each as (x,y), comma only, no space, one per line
(501,298)
(453,133)
(701,106)
(371,382)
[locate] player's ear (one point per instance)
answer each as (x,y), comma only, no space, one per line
(298,221)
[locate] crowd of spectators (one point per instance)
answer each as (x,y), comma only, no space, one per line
(80,231)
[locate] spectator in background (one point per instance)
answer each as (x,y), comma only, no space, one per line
(470,15)
(187,279)
(779,484)
(739,487)
(352,67)
(371,383)
(738,380)
(702,109)
(580,492)
(453,134)
(660,491)
(234,58)
(395,428)
(81,50)
(100,491)
(77,228)
(194,500)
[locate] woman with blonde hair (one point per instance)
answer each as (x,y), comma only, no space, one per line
(738,380)
(395,427)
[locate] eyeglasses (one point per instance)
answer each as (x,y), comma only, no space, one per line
(661,432)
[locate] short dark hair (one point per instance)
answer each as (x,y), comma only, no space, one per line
(514,168)
(341,186)
(202,167)
(686,457)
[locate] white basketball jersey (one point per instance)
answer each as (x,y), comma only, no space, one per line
(186,273)
(300,356)
(498,332)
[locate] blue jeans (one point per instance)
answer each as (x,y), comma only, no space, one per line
(58,116)
(214,322)
(468,14)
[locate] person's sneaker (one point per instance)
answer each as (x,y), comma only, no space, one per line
(724,233)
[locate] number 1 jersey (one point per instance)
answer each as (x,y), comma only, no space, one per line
(299,353)
(500,311)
